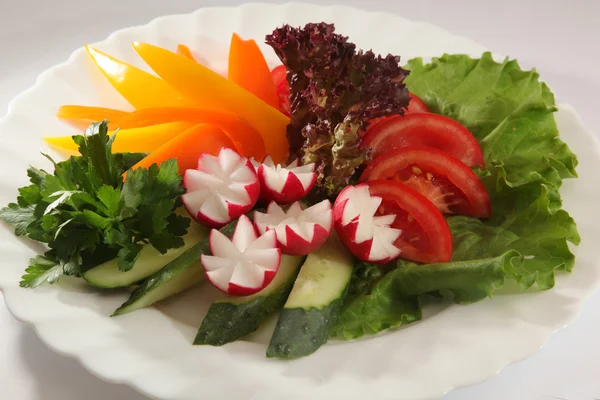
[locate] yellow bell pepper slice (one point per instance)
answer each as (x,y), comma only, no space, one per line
(210,90)
(188,147)
(246,138)
(185,51)
(249,69)
(134,140)
(138,87)
(83,116)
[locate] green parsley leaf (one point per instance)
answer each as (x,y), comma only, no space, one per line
(130,159)
(41,270)
(36,176)
(20,217)
(44,269)
(93,219)
(131,194)
(96,146)
(29,195)
(111,198)
(128,256)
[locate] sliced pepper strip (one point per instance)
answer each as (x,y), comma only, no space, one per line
(249,142)
(209,89)
(134,140)
(249,69)
(188,146)
(138,87)
(183,50)
(83,116)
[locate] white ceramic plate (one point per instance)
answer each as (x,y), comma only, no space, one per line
(151,349)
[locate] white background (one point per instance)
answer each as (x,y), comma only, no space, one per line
(561,39)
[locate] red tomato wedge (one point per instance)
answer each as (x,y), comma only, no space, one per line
(424,129)
(425,234)
(283,89)
(443,179)
(416,105)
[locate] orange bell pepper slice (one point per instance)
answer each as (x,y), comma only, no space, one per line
(82,116)
(135,140)
(248,141)
(210,90)
(249,69)
(188,146)
(183,50)
(137,86)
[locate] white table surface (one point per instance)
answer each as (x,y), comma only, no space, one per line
(560,38)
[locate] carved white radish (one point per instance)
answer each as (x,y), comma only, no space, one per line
(244,265)
(370,238)
(285,185)
(299,231)
(221,189)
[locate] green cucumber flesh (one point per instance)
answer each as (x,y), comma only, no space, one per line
(232,318)
(182,273)
(150,260)
(314,302)
(192,276)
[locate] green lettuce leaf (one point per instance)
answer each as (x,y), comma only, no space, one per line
(381,309)
(510,112)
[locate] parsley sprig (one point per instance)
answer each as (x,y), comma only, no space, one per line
(87,213)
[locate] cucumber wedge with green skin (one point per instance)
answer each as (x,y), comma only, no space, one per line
(150,260)
(232,318)
(312,308)
(182,273)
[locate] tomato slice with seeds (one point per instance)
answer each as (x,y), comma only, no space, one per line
(425,234)
(283,89)
(424,129)
(443,179)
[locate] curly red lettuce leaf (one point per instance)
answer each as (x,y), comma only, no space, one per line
(334,91)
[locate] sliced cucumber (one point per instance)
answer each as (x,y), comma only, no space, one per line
(232,318)
(314,303)
(150,260)
(182,273)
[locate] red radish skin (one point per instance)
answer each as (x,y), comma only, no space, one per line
(244,265)
(348,232)
(236,290)
(221,189)
(292,190)
(299,231)
(369,237)
(298,246)
(285,185)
